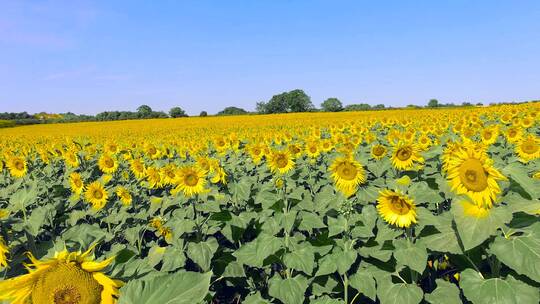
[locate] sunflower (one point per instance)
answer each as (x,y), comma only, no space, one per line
(312,149)
(396,208)
(138,169)
(489,135)
(71,159)
(69,277)
(513,134)
(107,164)
(471,172)
(220,176)
(326,145)
(96,195)
(124,195)
(405,155)
(473,210)
(280,161)
(168,174)
(256,152)
(17,166)
(76,183)
(153,176)
(191,180)
(4,250)
(424,142)
(347,174)
(378,151)
(528,148)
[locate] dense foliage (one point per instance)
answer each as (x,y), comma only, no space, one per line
(408,206)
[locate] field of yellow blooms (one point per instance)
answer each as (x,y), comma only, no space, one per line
(396,206)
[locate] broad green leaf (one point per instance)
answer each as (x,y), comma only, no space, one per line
(254,252)
(364,282)
(399,293)
(422,193)
(412,255)
(178,288)
(445,293)
(475,230)
(290,291)
(326,300)
(202,253)
(344,259)
(521,253)
(310,221)
(255,299)
(302,259)
(327,265)
(518,173)
(491,291)
(337,225)
(155,255)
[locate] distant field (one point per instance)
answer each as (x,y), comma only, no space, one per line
(395,206)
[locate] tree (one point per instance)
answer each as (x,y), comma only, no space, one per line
(144,111)
(358,107)
(379,106)
(177,112)
(332,105)
(433,103)
(203,114)
(467,104)
(232,111)
(293,101)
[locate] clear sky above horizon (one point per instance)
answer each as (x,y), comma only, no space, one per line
(88,57)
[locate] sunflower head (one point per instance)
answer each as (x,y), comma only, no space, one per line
(405,155)
(378,151)
(528,148)
(17,166)
(68,278)
(280,162)
(96,195)
(396,208)
(347,174)
(191,180)
(76,183)
(107,164)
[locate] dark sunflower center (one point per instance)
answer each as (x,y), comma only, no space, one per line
(109,163)
(282,161)
(256,151)
(347,171)
(77,183)
(487,134)
(399,205)
(529,147)
(152,151)
(67,295)
(404,154)
(473,175)
(97,194)
(313,149)
(378,150)
(19,165)
(191,179)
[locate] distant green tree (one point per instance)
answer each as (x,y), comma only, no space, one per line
(379,106)
(479,104)
(358,107)
(144,111)
(203,114)
(177,112)
(332,105)
(232,111)
(467,104)
(293,101)
(433,103)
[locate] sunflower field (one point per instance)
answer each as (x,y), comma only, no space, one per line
(398,206)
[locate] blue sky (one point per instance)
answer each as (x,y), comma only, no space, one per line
(88,57)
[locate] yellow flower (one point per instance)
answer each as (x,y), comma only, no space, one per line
(4,250)
(153,176)
(96,195)
(405,155)
(280,161)
(69,277)
(312,149)
(470,172)
(191,181)
(378,151)
(71,159)
(124,195)
(17,166)
(256,152)
(473,210)
(138,169)
(489,135)
(76,183)
(347,174)
(107,164)
(279,183)
(396,208)
(513,134)
(528,148)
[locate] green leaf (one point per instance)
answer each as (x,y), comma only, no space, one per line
(422,193)
(234,270)
(524,293)
(399,293)
(267,199)
(290,291)
(491,291)
(178,288)
(254,253)
(344,259)
(364,282)
(202,253)
(337,226)
(412,255)
(518,173)
(255,299)
(445,239)
(327,265)
(445,293)
(310,221)
(173,259)
(475,230)
(302,259)
(326,300)
(155,255)
(521,253)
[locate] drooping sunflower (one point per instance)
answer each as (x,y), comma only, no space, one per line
(396,208)
(124,195)
(4,250)
(17,166)
(471,172)
(68,278)
(378,151)
(405,155)
(76,183)
(191,180)
(107,164)
(528,148)
(96,195)
(347,174)
(280,161)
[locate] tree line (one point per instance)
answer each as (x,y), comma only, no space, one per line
(286,102)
